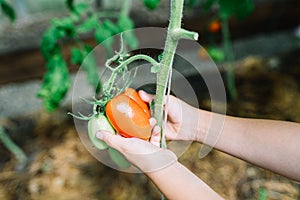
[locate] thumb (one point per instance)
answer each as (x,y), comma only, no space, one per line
(110,139)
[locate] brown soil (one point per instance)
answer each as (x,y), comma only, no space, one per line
(61,168)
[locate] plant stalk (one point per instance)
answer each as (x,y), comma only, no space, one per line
(175,33)
(13,148)
(230,78)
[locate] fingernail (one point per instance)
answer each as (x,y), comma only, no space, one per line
(156,129)
(152,121)
(99,135)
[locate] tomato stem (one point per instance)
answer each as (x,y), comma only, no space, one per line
(175,33)
(230,79)
(13,148)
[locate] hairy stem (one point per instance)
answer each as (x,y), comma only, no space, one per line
(125,8)
(175,33)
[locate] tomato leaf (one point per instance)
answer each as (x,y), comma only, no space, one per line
(109,25)
(88,25)
(151,4)
(118,158)
(55,84)
(216,54)
(228,8)
(90,68)
(76,56)
(49,42)
(8,10)
(66,25)
(81,8)
(103,35)
(70,4)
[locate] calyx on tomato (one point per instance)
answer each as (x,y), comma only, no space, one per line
(129,115)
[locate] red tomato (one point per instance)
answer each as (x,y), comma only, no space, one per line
(129,115)
(214,26)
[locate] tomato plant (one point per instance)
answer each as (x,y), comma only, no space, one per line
(129,115)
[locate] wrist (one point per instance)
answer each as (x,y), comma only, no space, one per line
(203,124)
(155,161)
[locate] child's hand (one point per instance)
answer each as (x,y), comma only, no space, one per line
(147,156)
(182,119)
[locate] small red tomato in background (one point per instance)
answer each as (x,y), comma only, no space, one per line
(129,115)
(214,26)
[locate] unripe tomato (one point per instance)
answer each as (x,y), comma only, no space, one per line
(214,26)
(99,122)
(129,115)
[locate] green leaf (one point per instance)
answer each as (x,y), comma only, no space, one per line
(49,40)
(81,8)
(76,56)
(70,4)
(151,4)
(159,57)
(109,25)
(126,24)
(118,158)
(90,67)
(216,54)
(228,8)
(55,84)
(103,35)
(8,10)
(66,25)
(87,61)
(88,25)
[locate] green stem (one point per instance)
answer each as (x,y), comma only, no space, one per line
(13,148)
(175,33)
(109,84)
(125,11)
(230,78)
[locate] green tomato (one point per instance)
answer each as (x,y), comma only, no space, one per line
(118,158)
(99,122)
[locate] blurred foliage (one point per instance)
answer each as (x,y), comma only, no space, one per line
(82,19)
(151,4)
(228,8)
(7,10)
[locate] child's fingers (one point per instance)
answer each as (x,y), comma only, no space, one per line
(155,137)
(152,122)
(145,96)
